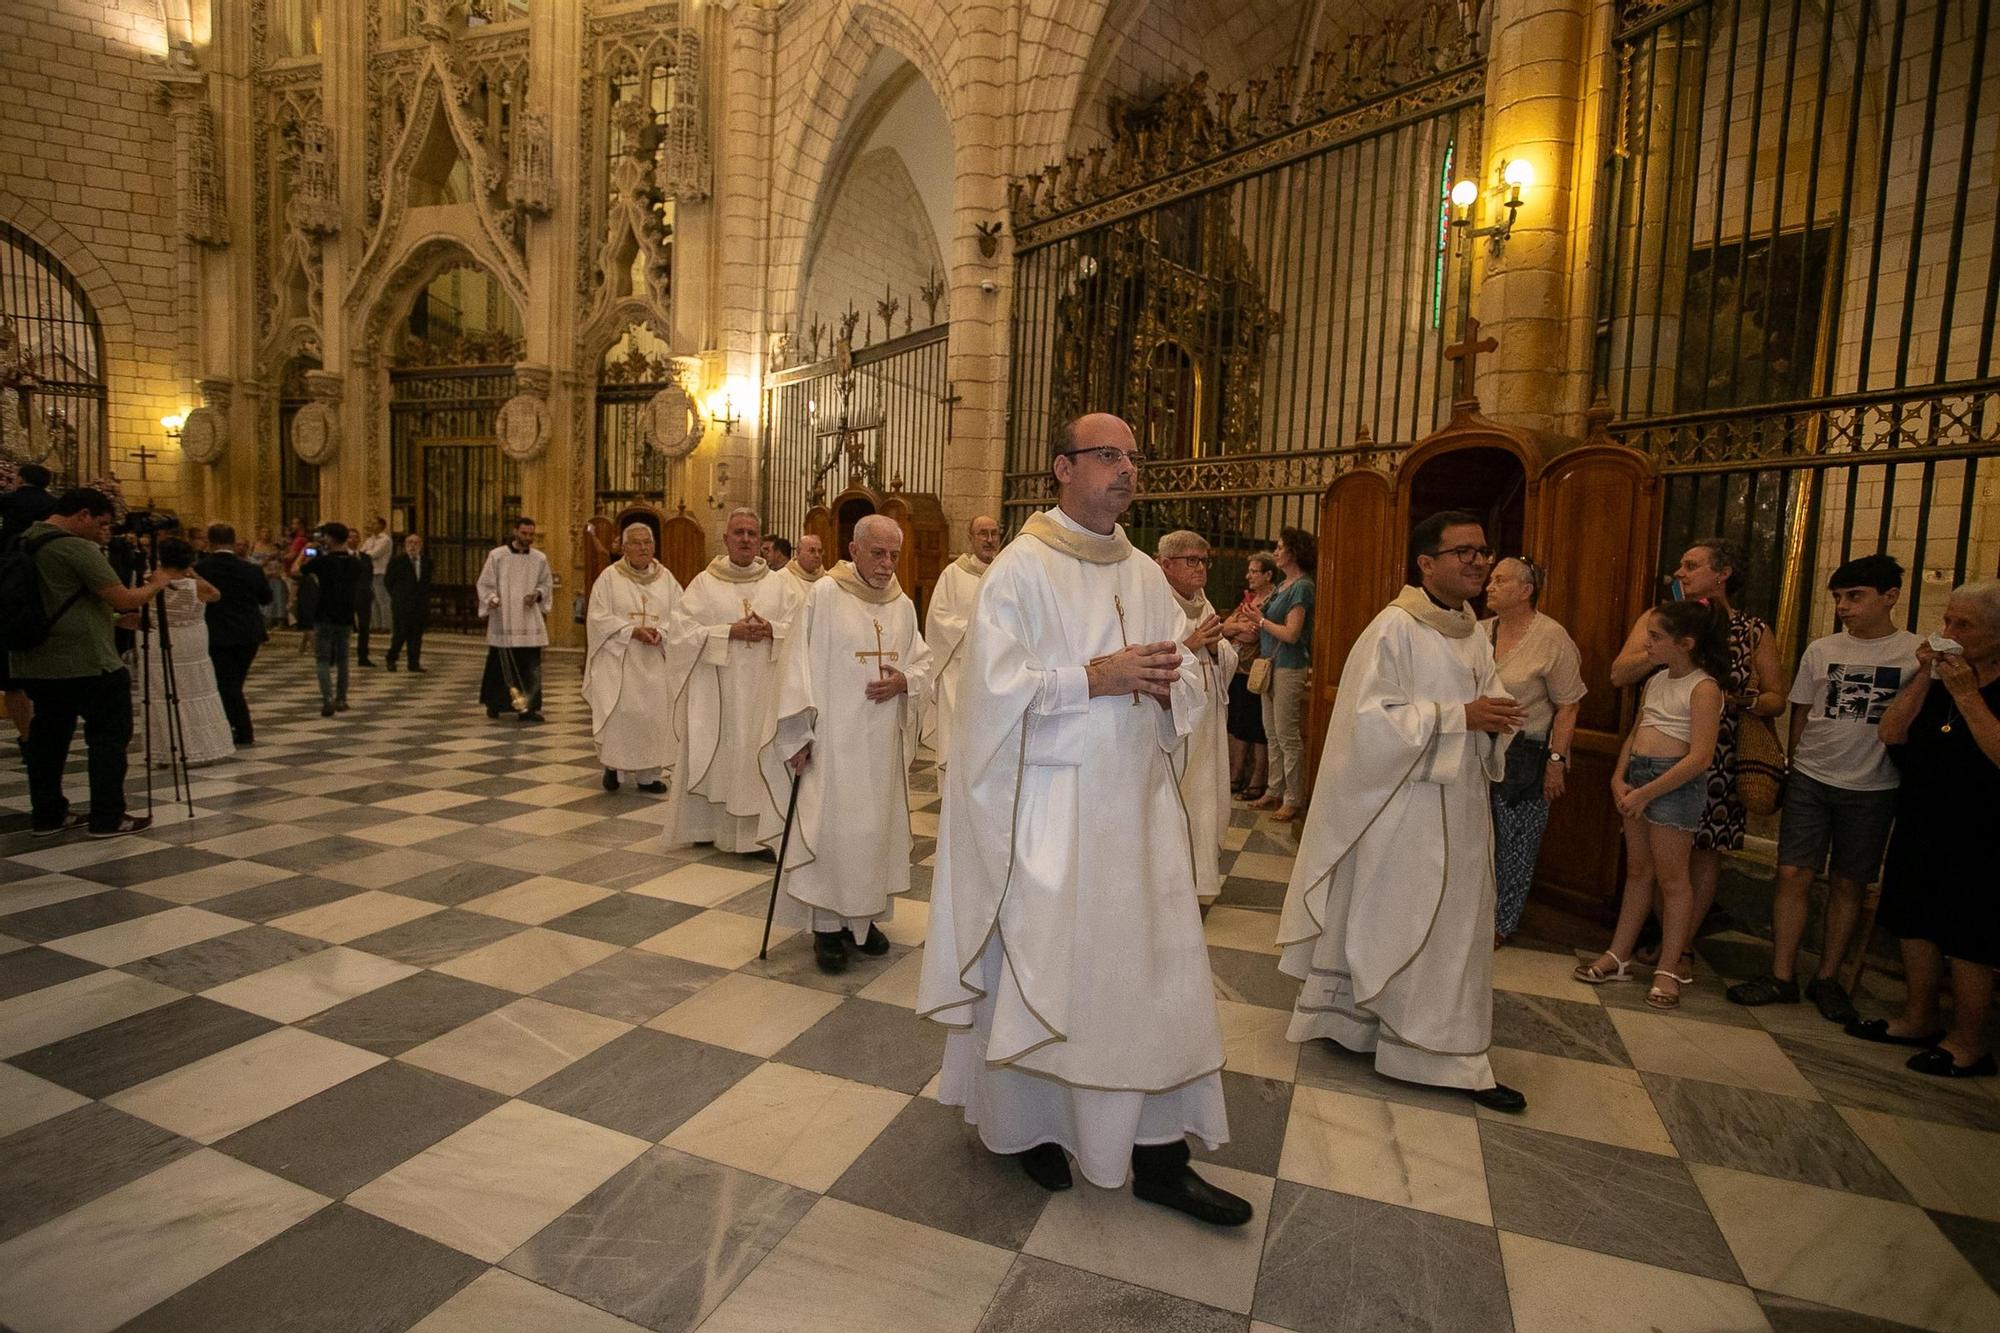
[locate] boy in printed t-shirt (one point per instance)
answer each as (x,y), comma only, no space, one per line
(1841,795)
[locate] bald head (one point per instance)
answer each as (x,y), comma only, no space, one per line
(811,554)
(877,542)
(1096,468)
(985,534)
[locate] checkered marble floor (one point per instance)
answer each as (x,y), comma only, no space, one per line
(415,1026)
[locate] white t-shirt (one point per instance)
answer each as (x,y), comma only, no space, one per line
(1846,683)
(378,550)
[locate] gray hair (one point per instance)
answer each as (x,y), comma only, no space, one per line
(1181,542)
(627,530)
(1984,597)
(868,522)
(1535,575)
(1723,554)
(739,512)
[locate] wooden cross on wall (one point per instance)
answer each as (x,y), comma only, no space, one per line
(1466,355)
(140,455)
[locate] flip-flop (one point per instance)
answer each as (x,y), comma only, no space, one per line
(1877,1031)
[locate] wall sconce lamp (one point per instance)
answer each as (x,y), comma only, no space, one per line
(1517,175)
(172,423)
(722,411)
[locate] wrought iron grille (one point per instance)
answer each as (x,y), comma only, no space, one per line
(298,480)
(882,424)
(52,395)
(472,491)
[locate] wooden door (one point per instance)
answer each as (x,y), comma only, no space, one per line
(1359,557)
(1595,533)
(683,548)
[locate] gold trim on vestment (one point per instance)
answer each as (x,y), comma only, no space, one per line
(1114,549)
(731,573)
(650,574)
(848,579)
(1416,603)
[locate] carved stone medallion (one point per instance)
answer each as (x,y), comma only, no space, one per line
(316,433)
(674,423)
(204,436)
(523,427)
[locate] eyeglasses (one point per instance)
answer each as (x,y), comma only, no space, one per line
(1199,561)
(1109,455)
(1465,555)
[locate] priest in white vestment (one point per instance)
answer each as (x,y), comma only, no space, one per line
(515,592)
(630,668)
(945,624)
(1388,920)
(735,617)
(1065,950)
(1204,768)
(853,679)
(808,565)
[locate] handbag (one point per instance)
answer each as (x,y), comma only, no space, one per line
(1259,680)
(1760,765)
(1527,761)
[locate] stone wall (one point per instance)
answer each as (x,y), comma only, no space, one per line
(874,239)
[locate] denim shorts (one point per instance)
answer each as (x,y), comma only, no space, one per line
(1679,808)
(1853,824)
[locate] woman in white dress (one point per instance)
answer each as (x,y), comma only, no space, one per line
(204,735)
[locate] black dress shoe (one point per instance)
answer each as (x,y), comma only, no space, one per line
(1046,1165)
(364,661)
(830,950)
(415,667)
(1877,1030)
(877,944)
(1940,1063)
(653,788)
(1185,1192)
(492,714)
(1499,1097)
(326,710)
(531,716)
(611,779)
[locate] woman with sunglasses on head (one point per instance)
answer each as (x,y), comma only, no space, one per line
(1540,666)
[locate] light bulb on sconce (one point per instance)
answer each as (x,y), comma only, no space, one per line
(1517,174)
(723,403)
(172,422)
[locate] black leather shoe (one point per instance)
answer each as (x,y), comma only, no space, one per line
(1877,1030)
(876,944)
(1046,1165)
(1499,1097)
(364,661)
(611,779)
(326,710)
(531,716)
(1185,1192)
(830,950)
(653,788)
(415,667)
(1940,1063)
(492,714)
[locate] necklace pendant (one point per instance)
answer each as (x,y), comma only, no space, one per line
(1945,730)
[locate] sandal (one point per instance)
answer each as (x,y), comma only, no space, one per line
(1660,999)
(1266,802)
(1252,794)
(1590,974)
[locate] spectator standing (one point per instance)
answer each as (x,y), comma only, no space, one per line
(27,504)
(338,575)
(371,601)
(1285,630)
(236,623)
(178,643)
(1248,753)
(409,583)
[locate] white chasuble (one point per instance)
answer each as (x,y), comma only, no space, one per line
(630,686)
(723,707)
(944,630)
(849,851)
(507,580)
(1205,762)
(1388,920)
(1065,948)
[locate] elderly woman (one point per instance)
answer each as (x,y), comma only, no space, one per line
(628,671)
(1943,732)
(1248,753)
(1541,668)
(1284,627)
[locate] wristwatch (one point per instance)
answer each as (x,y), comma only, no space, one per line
(1555,758)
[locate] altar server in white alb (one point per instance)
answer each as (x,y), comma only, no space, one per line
(633,667)
(515,592)
(1389,916)
(945,623)
(1065,949)
(1204,766)
(737,613)
(808,564)
(853,680)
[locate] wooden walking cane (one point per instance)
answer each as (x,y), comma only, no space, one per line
(784,843)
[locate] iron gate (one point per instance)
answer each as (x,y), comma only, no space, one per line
(52,394)
(475,492)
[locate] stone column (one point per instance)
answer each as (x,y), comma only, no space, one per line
(725,466)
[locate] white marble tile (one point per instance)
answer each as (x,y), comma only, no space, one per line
(919,1280)
(257,841)
(514,1048)
(1112,1233)
(1239,928)
(909,921)
(78,1005)
(1582,1099)
(214,1097)
(1711,1052)
(347,919)
(702,884)
(142,937)
(1538,972)
(1264,866)
(546,823)
(526,962)
(1410,1156)
(304,986)
(1253,1041)
(97,1266)
(1557,1289)
(427,802)
(553,795)
(198,886)
(291,809)
(411,829)
(25,895)
(386,868)
(493,1184)
(717,938)
(534,901)
(898,985)
(27,1100)
(1947,1167)
(86,852)
(497,1300)
(794,1125)
(749,1014)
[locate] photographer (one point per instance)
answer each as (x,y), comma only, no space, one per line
(337,574)
(75,671)
(235,623)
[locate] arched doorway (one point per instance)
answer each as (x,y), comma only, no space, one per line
(298,480)
(453,368)
(920,517)
(52,393)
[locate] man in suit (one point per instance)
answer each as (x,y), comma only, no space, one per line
(408,580)
(235,623)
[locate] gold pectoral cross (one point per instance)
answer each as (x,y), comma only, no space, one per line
(643,618)
(1119,605)
(881,658)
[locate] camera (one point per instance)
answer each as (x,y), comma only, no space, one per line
(146,523)
(309,552)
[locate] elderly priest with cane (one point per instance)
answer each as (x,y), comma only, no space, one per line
(1066,951)
(633,667)
(853,678)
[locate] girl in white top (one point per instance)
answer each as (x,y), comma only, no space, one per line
(1659,785)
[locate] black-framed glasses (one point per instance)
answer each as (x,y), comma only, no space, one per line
(1108,454)
(1465,555)
(1199,561)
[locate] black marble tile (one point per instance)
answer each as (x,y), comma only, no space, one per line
(1322,1064)
(928,1166)
(1252,978)
(346,821)
(1789,1314)
(1038,1296)
(267,902)
(305,857)
(1337,1262)
(1255,894)
(33,968)
(118,1055)
(869,1042)
(38,925)
(1853,1073)
(1259,1109)
(437,938)
(1263,840)
(592,839)
(180,831)
(792,960)
(1557,1027)
(206,963)
(64,1163)
(450,886)
(1735,960)
(1787,1137)
(623,918)
(470,844)
(340,1268)
(130,871)
(407,1013)
(644,1083)
(632,987)
(1594,1196)
(617,869)
(1975,1238)
(664,1241)
(341,1139)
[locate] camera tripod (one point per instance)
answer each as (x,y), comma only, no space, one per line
(176,738)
